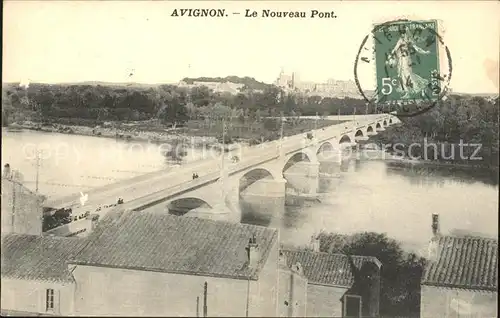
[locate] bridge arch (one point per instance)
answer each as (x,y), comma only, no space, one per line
(369,129)
(184,205)
(385,123)
(359,133)
(326,146)
(378,126)
(253,176)
(390,120)
(345,139)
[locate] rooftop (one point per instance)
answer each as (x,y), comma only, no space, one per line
(464,262)
(326,268)
(173,244)
(37,257)
(141,241)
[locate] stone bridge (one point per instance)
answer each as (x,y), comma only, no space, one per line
(265,170)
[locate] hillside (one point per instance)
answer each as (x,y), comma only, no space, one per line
(251,82)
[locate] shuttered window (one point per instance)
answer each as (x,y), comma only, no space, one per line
(49,299)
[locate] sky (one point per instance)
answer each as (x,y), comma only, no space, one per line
(59,41)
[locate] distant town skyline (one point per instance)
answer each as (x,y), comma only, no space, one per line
(68,42)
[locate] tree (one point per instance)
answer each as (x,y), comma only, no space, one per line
(7,108)
(271,124)
(257,116)
(221,111)
(174,113)
(192,111)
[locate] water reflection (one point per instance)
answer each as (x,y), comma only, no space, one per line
(353,195)
(374,196)
(459,174)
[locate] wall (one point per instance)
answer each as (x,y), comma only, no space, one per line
(440,301)
(368,286)
(27,206)
(29,296)
(293,290)
(324,301)
(268,288)
(112,291)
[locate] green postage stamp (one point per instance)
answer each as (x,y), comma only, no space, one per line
(407,62)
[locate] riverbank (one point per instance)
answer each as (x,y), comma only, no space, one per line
(130,134)
(486,174)
(436,163)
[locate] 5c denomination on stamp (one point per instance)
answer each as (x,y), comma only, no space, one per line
(409,76)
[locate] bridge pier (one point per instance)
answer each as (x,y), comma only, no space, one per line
(330,168)
(263,202)
(266,188)
(329,156)
(362,138)
(329,174)
(220,212)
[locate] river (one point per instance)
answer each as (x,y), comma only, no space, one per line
(366,195)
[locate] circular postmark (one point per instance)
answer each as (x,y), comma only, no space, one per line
(412,67)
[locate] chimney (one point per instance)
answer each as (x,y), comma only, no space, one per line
(93,219)
(282,258)
(315,243)
(435,224)
(253,252)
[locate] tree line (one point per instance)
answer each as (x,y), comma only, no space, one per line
(459,119)
(470,119)
(401,271)
(168,103)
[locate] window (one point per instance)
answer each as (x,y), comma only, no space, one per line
(352,306)
(49,300)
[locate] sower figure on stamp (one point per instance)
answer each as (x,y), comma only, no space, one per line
(401,57)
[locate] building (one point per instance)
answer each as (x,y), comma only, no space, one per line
(461,279)
(338,285)
(36,279)
(332,88)
(292,301)
(144,264)
(22,210)
(286,82)
(216,87)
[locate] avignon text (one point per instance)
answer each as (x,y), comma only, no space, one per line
(199,13)
(290,14)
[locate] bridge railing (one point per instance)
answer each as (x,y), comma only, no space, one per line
(152,198)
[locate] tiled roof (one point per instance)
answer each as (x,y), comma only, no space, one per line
(464,262)
(326,268)
(38,257)
(174,244)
